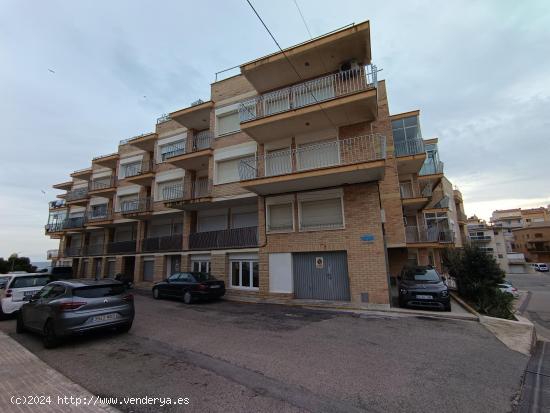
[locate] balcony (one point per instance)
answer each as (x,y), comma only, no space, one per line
(189,196)
(72,252)
(77,197)
(74,223)
(145,142)
(195,117)
(52,254)
(55,228)
(98,217)
(229,238)
(104,187)
(119,247)
(57,204)
(428,235)
(169,243)
(412,199)
(410,155)
(94,249)
(316,165)
(342,98)
(431,167)
(64,186)
(107,161)
(135,207)
(83,174)
(480,238)
(193,153)
(461,217)
(139,173)
(310,59)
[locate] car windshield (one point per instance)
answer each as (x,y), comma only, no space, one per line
(421,274)
(27,282)
(202,276)
(98,291)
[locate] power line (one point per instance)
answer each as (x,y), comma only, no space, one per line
(303,19)
(290,62)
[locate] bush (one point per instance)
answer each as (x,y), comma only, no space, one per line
(477,275)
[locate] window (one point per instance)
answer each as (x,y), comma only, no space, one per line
(99,211)
(131,169)
(280,217)
(172,149)
(170,190)
(128,203)
(228,171)
(245,274)
(321,214)
(201,266)
(406,129)
(228,123)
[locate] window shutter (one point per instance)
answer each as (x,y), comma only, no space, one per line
(326,213)
(280,217)
(228,123)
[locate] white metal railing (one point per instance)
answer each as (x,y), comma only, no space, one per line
(172,192)
(134,205)
(202,140)
(307,93)
(409,147)
(165,117)
(314,156)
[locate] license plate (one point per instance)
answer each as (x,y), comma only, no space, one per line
(29,293)
(105,317)
(424,297)
(214,286)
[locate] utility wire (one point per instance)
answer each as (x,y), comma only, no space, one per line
(303,19)
(290,62)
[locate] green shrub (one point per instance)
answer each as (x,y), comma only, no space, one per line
(477,275)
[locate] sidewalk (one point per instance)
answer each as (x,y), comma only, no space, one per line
(24,376)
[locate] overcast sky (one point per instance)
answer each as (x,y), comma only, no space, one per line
(478,71)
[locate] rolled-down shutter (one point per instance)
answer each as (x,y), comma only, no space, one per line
(280,217)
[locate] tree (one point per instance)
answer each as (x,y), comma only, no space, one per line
(477,276)
(16,263)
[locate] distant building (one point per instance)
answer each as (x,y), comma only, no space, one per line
(511,219)
(534,241)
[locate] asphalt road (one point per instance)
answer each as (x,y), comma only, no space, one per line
(238,357)
(536,306)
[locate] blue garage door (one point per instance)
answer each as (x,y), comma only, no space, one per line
(321,275)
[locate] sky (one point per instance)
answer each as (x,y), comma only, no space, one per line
(78,76)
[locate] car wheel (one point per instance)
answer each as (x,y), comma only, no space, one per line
(19,326)
(125,328)
(187,297)
(156,294)
(49,339)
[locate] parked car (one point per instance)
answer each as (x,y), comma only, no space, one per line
(422,286)
(61,273)
(508,288)
(190,286)
(19,289)
(4,280)
(540,267)
(70,307)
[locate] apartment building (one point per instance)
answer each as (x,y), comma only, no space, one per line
(292,181)
(533,241)
(511,219)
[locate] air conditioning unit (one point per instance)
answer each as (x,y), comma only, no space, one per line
(349,65)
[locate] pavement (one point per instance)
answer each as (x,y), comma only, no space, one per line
(535,305)
(233,357)
(30,385)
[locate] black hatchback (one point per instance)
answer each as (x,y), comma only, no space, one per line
(190,286)
(423,287)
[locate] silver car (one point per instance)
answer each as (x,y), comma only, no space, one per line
(69,307)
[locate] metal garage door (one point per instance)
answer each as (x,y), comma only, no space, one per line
(516,269)
(321,275)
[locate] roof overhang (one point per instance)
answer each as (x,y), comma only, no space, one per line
(194,117)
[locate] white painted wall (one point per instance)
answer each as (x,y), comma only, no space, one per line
(280,273)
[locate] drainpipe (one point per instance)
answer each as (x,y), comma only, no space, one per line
(385,244)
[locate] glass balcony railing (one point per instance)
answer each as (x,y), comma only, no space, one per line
(409,147)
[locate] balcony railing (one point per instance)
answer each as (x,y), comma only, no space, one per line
(408,190)
(74,222)
(95,158)
(308,93)
(121,247)
(174,149)
(202,140)
(101,214)
(431,168)
(50,254)
(58,203)
(229,238)
(134,206)
(200,188)
(73,251)
(94,249)
(102,183)
(165,117)
(409,147)
(76,194)
(54,227)
(428,234)
(136,168)
(315,156)
(169,243)
(480,238)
